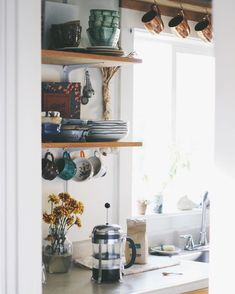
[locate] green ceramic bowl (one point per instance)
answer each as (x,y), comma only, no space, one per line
(95,24)
(104,12)
(104,21)
(103,36)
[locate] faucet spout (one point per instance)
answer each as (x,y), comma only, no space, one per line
(205,204)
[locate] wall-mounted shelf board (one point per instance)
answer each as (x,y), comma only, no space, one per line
(72,58)
(91,144)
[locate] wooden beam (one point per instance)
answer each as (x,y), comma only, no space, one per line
(196,3)
(165,10)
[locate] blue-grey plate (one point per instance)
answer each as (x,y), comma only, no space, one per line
(70,136)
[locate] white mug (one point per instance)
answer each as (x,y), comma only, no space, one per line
(102,172)
(84,168)
(98,167)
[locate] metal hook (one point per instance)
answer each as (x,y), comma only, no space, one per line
(207,15)
(97,153)
(181,5)
(82,153)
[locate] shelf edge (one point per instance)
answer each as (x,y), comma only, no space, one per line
(91,144)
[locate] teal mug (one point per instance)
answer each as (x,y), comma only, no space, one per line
(67,168)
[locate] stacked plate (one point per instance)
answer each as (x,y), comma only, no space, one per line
(106,130)
(105,50)
(72,130)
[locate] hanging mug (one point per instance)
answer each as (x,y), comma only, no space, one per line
(99,170)
(84,168)
(49,168)
(204,29)
(152,20)
(66,166)
(179,25)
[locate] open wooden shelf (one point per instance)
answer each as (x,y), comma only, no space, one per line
(91,144)
(72,58)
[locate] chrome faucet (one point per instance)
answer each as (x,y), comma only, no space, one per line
(203,238)
(205,204)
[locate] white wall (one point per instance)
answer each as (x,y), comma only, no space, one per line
(20,207)
(223,202)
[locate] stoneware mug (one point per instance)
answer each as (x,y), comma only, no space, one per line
(102,172)
(152,20)
(179,25)
(67,168)
(96,163)
(49,168)
(84,168)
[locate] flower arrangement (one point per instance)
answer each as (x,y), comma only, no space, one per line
(64,214)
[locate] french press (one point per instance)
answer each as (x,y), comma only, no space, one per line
(108,248)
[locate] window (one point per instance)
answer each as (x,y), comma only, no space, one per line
(174,116)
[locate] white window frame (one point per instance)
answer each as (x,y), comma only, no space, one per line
(126,203)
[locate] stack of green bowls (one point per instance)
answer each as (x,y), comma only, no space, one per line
(104,27)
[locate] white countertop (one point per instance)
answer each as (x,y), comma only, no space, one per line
(195,276)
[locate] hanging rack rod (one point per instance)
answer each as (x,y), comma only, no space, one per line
(168,8)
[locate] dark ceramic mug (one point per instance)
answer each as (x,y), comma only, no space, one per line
(49,168)
(67,168)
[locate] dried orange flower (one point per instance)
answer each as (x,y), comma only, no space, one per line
(78,222)
(79,208)
(64,214)
(48,218)
(64,196)
(53,198)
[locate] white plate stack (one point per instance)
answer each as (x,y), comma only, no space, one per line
(106,130)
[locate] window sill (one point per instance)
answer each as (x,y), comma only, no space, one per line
(197,211)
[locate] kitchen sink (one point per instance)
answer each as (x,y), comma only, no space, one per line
(204,257)
(195,255)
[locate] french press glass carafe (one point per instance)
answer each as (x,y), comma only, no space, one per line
(108,249)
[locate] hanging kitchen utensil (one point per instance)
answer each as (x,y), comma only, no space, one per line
(87,91)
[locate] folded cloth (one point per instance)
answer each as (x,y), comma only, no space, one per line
(154,263)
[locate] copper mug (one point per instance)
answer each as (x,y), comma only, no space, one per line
(179,25)
(152,20)
(204,29)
